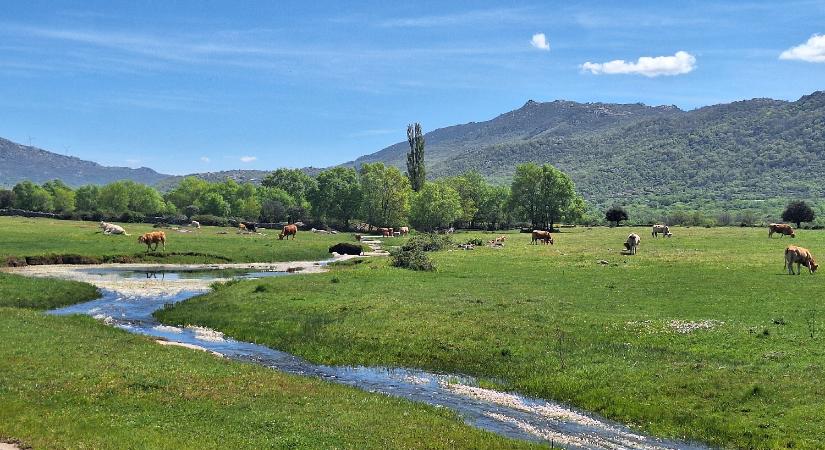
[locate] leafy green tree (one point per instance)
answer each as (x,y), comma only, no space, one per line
(86,198)
(798,212)
(191,210)
(63,197)
(213,203)
(293,181)
(472,188)
(615,214)
(577,211)
(32,197)
(114,198)
(416,171)
(494,207)
(337,195)
(437,205)
(275,204)
(541,194)
(6,198)
(144,199)
(188,192)
(385,195)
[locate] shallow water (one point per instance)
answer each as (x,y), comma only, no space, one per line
(503,413)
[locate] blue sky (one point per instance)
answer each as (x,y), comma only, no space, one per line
(202,86)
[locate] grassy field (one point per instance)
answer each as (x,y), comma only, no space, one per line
(553,322)
(45,238)
(22,292)
(72,382)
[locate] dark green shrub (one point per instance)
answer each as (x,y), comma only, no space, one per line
(428,242)
(413,259)
(210,220)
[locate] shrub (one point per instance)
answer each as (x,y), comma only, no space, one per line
(428,242)
(413,259)
(210,220)
(475,242)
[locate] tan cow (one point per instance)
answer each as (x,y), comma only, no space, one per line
(386,232)
(289,230)
(404,231)
(801,257)
(153,238)
(632,243)
(663,229)
(541,235)
(781,228)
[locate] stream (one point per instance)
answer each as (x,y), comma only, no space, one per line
(131,293)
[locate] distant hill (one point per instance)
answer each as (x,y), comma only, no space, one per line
(748,150)
(22,162)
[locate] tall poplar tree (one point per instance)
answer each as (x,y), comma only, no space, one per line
(415,158)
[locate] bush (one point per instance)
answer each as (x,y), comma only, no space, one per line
(413,259)
(427,242)
(132,217)
(210,220)
(475,242)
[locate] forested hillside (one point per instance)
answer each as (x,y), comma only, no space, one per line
(740,152)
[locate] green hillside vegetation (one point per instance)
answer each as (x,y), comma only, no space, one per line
(725,157)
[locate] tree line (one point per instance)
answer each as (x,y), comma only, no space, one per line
(375,194)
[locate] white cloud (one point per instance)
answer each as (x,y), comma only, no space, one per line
(539,41)
(650,66)
(248,159)
(811,51)
(205,159)
(133,161)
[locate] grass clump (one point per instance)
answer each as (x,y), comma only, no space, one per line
(42,293)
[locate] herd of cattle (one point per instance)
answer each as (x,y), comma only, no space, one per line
(793,254)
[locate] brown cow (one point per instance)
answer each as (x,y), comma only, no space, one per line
(800,256)
(781,228)
(404,231)
(386,232)
(289,230)
(153,238)
(539,235)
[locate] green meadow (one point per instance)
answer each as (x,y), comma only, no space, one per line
(46,239)
(702,336)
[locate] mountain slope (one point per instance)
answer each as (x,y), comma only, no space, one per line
(749,150)
(21,162)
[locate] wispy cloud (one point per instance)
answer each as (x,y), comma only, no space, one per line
(811,51)
(497,15)
(205,159)
(374,132)
(540,42)
(680,63)
(248,159)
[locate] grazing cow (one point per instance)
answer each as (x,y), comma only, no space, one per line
(386,232)
(632,243)
(195,224)
(781,228)
(540,235)
(289,230)
(241,228)
(801,257)
(346,248)
(153,238)
(663,229)
(250,226)
(404,231)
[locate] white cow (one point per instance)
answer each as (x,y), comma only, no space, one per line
(632,243)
